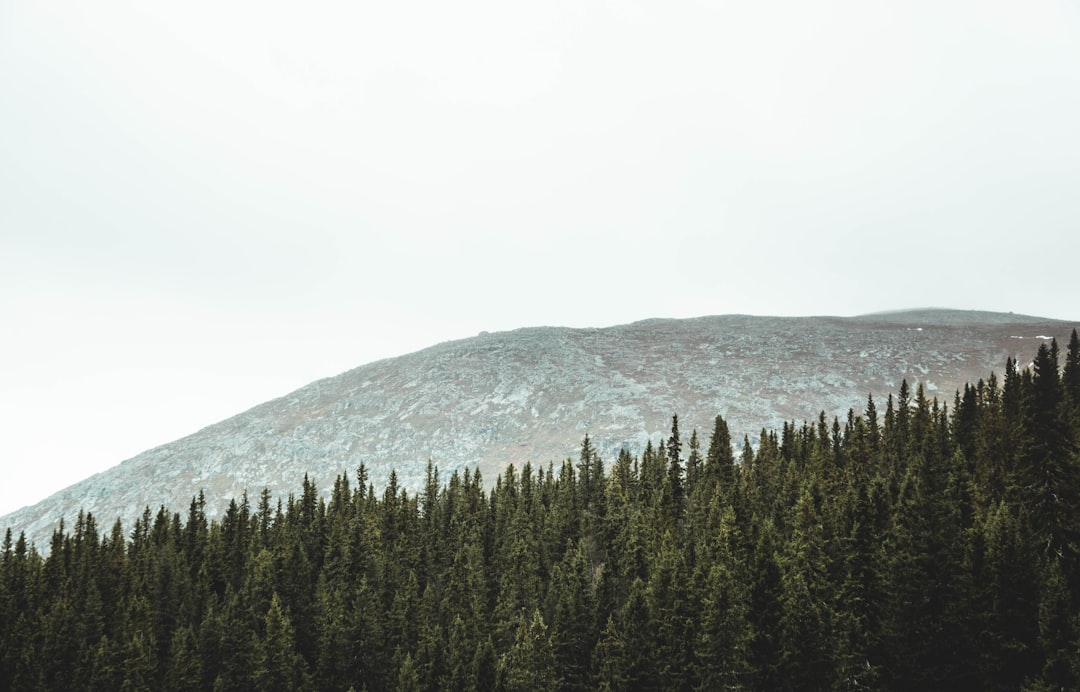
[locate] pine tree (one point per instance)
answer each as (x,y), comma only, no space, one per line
(278,665)
(609,660)
(636,628)
(1070,376)
(765,611)
(183,668)
(806,619)
(1006,601)
(1049,477)
(860,595)
(408,679)
(675,468)
(336,645)
(1058,634)
(723,640)
(669,609)
(586,472)
(138,665)
(573,616)
(694,464)
(105,668)
(238,651)
(719,460)
(485,665)
(530,663)
(872,423)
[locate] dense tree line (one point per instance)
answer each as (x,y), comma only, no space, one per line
(928,546)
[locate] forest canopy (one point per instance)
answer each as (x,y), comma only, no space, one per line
(925,545)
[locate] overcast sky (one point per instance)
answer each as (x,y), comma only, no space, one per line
(207,204)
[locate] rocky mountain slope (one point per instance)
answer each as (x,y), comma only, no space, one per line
(533,394)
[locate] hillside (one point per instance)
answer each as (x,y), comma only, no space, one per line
(532,394)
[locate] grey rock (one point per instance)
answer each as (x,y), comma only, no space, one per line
(532,395)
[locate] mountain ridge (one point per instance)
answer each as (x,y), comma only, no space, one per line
(531,394)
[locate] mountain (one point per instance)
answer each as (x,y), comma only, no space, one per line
(532,395)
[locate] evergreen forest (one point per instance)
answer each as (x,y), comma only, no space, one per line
(915,545)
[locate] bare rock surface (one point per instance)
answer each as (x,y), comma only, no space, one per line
(532,395)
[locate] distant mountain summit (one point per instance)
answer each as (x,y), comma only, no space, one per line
(532,395)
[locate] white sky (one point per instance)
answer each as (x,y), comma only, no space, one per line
(207,204)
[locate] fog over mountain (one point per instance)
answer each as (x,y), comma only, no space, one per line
(533,394)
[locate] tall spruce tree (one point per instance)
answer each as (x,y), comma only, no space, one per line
(675,467)
(720,460)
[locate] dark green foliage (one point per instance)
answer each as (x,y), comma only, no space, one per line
(529,664)
(925,549)
(1070,377)
(573,618)
(675,468)
(278,664)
